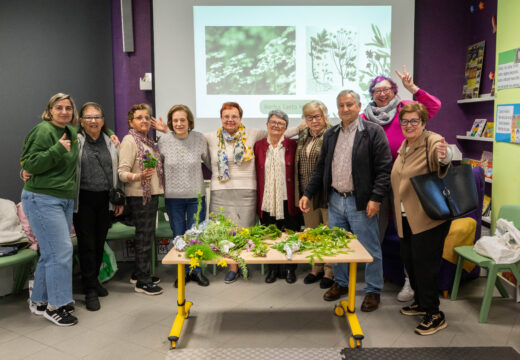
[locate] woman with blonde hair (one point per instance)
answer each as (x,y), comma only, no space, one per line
(50,154)
(310,140)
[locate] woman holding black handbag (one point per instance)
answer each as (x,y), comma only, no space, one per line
(422,238)
(98,183)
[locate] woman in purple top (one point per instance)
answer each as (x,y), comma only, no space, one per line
(384,110)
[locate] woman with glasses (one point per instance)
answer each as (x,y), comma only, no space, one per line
(96,174)
(308,150)
(384,110)
(141,169)
(422,238)
(274,163)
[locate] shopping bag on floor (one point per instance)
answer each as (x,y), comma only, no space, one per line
(108,266)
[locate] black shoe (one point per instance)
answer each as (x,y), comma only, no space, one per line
(311,278)
(148,289)
(326,283)
(101,290)
(271,277)
(199,278)
(430,324)
(69,307)
(290,276)
(186,280)
(133,279)
(60,317)
(412,309)
(92,301)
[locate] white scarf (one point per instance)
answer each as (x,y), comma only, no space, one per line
(275,190)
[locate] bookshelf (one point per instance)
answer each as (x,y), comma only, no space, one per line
(471,145)
(474,138)
(481,98)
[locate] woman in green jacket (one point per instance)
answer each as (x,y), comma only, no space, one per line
(50,154)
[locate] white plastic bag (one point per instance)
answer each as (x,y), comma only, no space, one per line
(504,247)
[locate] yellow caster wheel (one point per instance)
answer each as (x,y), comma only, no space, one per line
(354,343)
(338,310)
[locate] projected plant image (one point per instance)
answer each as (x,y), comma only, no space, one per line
(332,57)
(250,60)
(377,57)
(319,51)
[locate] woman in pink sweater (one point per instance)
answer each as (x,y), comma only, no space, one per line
(384,110)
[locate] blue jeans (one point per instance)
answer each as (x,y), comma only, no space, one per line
(51,221)
(181,212)
(343,214)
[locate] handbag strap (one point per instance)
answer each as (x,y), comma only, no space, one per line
(427,156)
(110,182)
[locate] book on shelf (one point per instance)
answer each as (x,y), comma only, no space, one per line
(489,130)
(486,205)
(471,162)
(473,70)
(486,162)
(478,127)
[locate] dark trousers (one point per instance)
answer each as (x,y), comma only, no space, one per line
(91,223)
(288,222)
(143,218)
(422,255)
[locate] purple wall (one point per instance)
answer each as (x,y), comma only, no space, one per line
(129,67)
(444,30)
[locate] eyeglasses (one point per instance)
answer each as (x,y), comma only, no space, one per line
(92,118)
(277,123)
(413,122)
(141,118)
(379,91)
(234,117)
(313,117)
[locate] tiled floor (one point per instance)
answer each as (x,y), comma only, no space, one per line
(244,314)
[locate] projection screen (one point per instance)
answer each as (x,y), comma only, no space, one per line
(269,55)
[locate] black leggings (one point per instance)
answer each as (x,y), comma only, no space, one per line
(422,255)
(91,223)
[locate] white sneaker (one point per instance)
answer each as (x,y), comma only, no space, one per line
(37,309)
(406,293)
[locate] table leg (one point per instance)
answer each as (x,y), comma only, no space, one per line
(348,308)
(183,307)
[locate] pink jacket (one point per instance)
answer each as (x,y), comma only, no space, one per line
(393,129)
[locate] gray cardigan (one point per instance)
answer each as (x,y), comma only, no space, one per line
(113,155)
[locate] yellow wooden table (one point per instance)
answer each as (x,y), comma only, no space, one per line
(358,254)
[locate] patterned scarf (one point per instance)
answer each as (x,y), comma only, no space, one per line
(274,185)
(141,139)
(382,115)
(241,151)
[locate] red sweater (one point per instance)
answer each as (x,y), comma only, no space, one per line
(260,150)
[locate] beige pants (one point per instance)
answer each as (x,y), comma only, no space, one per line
(312,219)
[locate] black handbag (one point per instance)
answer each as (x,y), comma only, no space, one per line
(116,196)
(453,196)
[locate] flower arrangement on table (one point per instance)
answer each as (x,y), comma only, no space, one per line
(321,241)
(220,238)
